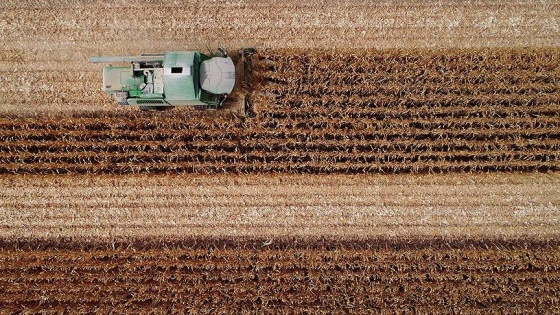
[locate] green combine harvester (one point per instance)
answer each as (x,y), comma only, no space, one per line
(161,81)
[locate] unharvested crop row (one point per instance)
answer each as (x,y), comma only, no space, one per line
(411,102)
(541,116)
(446,61)
(383,88)
(308,130)
(398,76)
(320,143)
(429,99)
(503,163)
(261,159)
(314,136)
(373,120)
(401,147)
(228,155)
(290,122)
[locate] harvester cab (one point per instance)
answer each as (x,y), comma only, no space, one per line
(160,81)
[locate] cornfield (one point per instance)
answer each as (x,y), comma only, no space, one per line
(327,112)
(397,157)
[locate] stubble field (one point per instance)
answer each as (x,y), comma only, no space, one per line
(401,157)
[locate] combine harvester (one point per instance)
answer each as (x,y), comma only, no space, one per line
(186,78)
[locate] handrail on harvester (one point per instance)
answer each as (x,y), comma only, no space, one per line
(142,58)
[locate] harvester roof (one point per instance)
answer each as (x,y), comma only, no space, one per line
(179,73)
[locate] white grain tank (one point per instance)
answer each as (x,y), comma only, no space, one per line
(217,75)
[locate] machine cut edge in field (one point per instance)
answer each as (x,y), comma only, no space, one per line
(156,82)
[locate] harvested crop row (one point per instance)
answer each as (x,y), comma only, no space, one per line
(260,275)
(326,112)
(458,205)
